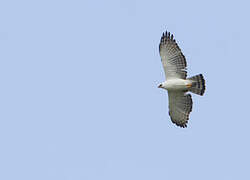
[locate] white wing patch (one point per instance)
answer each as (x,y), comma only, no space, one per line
(174,62)
(180,106)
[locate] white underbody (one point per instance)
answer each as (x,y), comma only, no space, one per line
(176,84)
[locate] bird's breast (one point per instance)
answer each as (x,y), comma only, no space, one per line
(175,84)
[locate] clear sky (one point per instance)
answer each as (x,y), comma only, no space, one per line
(79,97)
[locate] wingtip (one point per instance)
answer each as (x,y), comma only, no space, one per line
(168,35)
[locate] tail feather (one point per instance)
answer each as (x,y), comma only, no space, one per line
(198,84)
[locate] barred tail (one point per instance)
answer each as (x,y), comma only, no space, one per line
(198,84)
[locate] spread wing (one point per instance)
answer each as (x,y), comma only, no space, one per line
(174,62)
(180,106)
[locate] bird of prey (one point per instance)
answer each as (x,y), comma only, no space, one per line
(177,84)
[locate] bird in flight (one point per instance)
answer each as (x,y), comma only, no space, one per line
(177,84)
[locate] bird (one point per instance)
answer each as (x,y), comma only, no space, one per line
(177,84)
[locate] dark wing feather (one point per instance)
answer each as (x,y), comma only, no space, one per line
(180,106)
(174,62)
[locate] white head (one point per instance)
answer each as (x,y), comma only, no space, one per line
(163,85)
(160,86)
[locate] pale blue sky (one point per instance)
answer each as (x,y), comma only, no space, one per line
(79,97)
